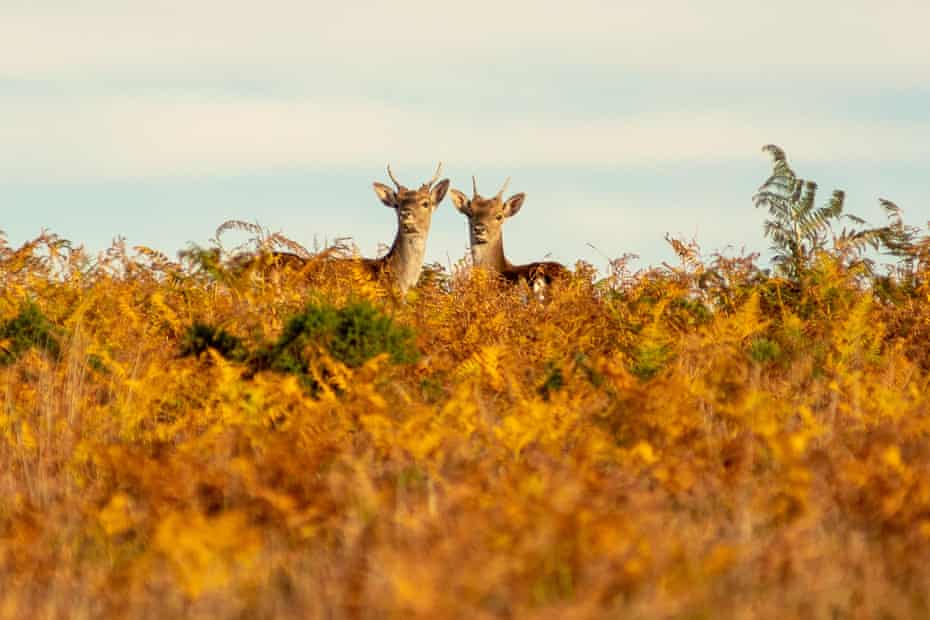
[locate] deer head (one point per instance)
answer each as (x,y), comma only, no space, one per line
(485,220)
(486,215)
(414,207)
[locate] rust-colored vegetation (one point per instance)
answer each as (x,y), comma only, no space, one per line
(700,440)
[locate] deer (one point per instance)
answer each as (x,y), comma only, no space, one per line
(403,263)
(485,220)
(414,209)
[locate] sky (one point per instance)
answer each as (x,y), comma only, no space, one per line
(621,121)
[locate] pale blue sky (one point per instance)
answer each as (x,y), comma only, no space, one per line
(621,121)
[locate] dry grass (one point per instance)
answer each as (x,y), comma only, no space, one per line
(664,444)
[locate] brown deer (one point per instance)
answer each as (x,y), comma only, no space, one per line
(403,263)
(485,221)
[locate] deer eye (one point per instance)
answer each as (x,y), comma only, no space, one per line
(500,216)
(425,203)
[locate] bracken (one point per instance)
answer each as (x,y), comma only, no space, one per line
(696,440)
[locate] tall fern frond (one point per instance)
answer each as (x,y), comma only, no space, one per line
(900,240)
(798,229)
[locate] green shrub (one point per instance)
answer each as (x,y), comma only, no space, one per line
(201,336)
(763,350)
(554,381)
(352,335)
(30,328)
(649,359)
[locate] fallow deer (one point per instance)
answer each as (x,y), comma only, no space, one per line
(414,208)
(403,263)
(485,221)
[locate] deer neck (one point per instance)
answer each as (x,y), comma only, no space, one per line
(405,259)
(490,255)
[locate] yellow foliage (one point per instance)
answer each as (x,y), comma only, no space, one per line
(206,552)
(644,452)
(696,441)
(115,517)
(27,438)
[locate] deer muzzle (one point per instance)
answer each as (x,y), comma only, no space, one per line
(408,222)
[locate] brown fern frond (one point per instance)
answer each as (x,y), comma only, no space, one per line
(242,226)
(688,253)
(157,257)
(279,240)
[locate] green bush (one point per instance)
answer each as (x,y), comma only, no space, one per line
(763,350)
(30,328)
(554,381)
(352,335)
(202,336)
(650,358)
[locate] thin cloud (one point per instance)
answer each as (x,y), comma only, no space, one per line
(409,38)
(124,136)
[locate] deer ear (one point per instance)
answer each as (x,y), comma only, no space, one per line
(513,204)
(385,195)
(460,201)
(439,192)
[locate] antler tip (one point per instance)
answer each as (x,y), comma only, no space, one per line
(393,178)
(436,175)
(504,187)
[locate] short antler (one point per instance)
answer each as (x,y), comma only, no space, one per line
(393,178)
(500,194)
(435,176)
(474,187)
